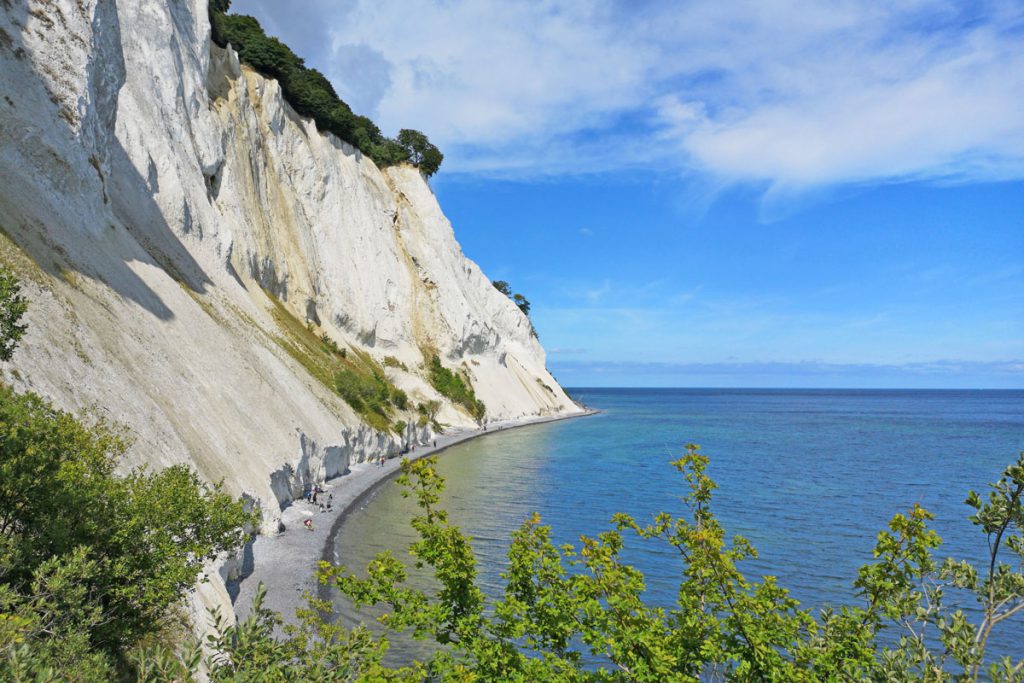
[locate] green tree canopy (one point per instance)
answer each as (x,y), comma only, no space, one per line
(522,303)
(311,94)
(140,539)
(420,151)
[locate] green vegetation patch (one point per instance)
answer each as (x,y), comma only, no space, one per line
(428,415)
(12,306)
(310,93)
(18,262)
(455,387)
(356,377)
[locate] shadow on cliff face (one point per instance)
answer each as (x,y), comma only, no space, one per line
(47,166)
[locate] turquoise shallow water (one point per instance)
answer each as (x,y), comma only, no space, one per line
(808,476)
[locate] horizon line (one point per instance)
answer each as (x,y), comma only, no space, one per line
(776,388)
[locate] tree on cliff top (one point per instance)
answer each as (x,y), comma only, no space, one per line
(522,303)
(311,94)
(421,152)
(518,299)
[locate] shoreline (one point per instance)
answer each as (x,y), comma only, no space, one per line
(286,562)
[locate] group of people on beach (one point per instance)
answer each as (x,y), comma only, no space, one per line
(313,494)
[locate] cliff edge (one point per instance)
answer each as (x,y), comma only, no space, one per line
(186,239)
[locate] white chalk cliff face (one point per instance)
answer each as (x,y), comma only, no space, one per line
(156,198)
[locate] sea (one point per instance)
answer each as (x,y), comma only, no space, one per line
(808,476)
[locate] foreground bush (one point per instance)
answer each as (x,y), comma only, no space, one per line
(562,603)
(92,564)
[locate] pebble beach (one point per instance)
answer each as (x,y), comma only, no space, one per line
(286,563)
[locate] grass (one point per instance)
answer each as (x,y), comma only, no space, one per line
(456,387)
(356,377)
(19,262)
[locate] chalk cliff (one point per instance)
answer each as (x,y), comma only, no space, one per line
(176,224)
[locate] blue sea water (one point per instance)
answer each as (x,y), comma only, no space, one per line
(808,476)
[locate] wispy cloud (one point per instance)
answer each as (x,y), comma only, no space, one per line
(791,94)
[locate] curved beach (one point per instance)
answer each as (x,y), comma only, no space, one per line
(286,563)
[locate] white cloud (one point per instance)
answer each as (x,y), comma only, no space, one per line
(788,93)
(897,113)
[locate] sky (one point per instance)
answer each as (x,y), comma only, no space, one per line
(769,193)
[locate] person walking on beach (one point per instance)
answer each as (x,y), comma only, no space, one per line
(309,524)
(330,501)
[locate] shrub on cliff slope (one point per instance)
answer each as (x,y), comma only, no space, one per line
(356,377)
(456,388)
(12,306)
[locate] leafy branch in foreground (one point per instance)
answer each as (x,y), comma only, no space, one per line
(564,606)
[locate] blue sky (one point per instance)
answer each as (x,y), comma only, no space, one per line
(773,193)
